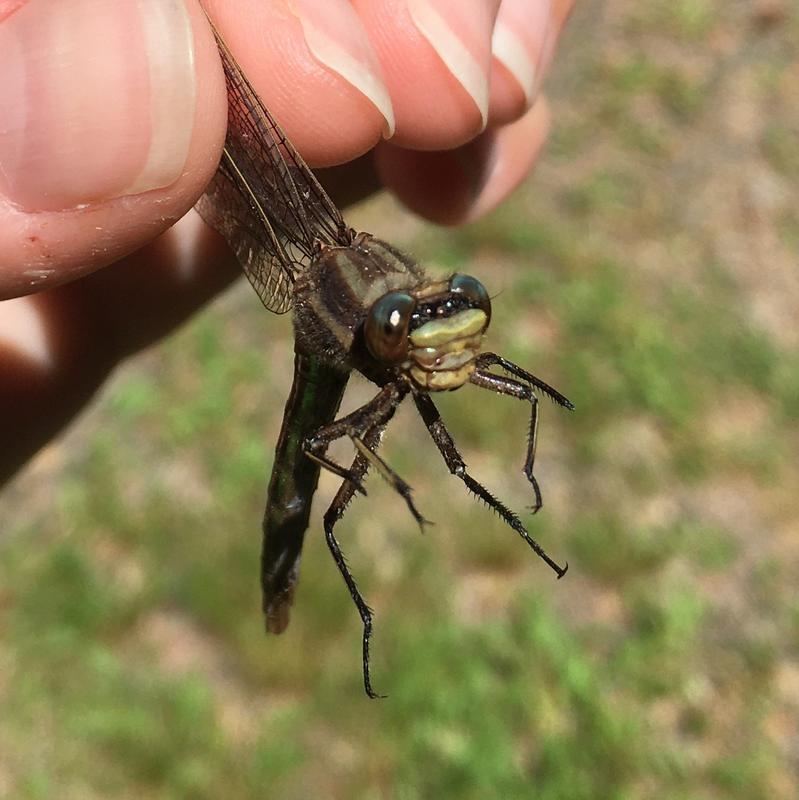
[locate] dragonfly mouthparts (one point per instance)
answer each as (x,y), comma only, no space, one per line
(442,351)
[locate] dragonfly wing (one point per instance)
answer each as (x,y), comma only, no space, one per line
(252,241)
(264,199)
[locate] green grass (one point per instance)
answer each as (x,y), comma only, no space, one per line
(132,655)
(527,697)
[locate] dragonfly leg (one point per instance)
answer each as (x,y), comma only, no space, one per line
(523,389)
(337,469)
(337,508)
(391,478)
(457,466)
(492,359)
(509,386)
(376,413)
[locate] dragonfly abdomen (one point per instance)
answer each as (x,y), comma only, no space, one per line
(314,400)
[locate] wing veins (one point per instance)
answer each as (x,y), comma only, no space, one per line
(264,200)
(254,200)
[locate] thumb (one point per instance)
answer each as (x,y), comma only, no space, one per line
(100,146)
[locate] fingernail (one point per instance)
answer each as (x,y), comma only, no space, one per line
(97,98)
(336,38)
(518,42)
(454,33)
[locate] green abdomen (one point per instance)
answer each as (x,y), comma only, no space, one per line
(313,402)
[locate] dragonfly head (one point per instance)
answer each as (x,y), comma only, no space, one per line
(433,332)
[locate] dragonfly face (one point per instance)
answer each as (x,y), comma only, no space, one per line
(359,304)
(433,332)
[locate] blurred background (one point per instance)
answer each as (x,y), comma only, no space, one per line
(648,269)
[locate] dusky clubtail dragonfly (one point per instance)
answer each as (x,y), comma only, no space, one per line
(359,304)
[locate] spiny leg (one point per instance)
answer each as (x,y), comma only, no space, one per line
(374,413)
(523,389)
(485,360)
(347,489)
(457,466)
(390,477)
(377,412)
(503,385)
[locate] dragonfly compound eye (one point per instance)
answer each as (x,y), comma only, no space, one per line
(386,328)
(472,289)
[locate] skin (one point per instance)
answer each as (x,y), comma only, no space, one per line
(156,265)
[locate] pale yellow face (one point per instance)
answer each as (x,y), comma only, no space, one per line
(431,332)
(442,351)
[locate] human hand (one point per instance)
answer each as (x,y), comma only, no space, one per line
(112,117)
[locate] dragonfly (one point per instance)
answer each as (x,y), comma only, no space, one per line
(359,305)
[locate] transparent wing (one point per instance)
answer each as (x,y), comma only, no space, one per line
(252,240)
(264,200)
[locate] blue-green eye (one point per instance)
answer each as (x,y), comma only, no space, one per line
(386,327)
(473,289)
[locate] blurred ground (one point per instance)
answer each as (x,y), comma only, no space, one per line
(648,270)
